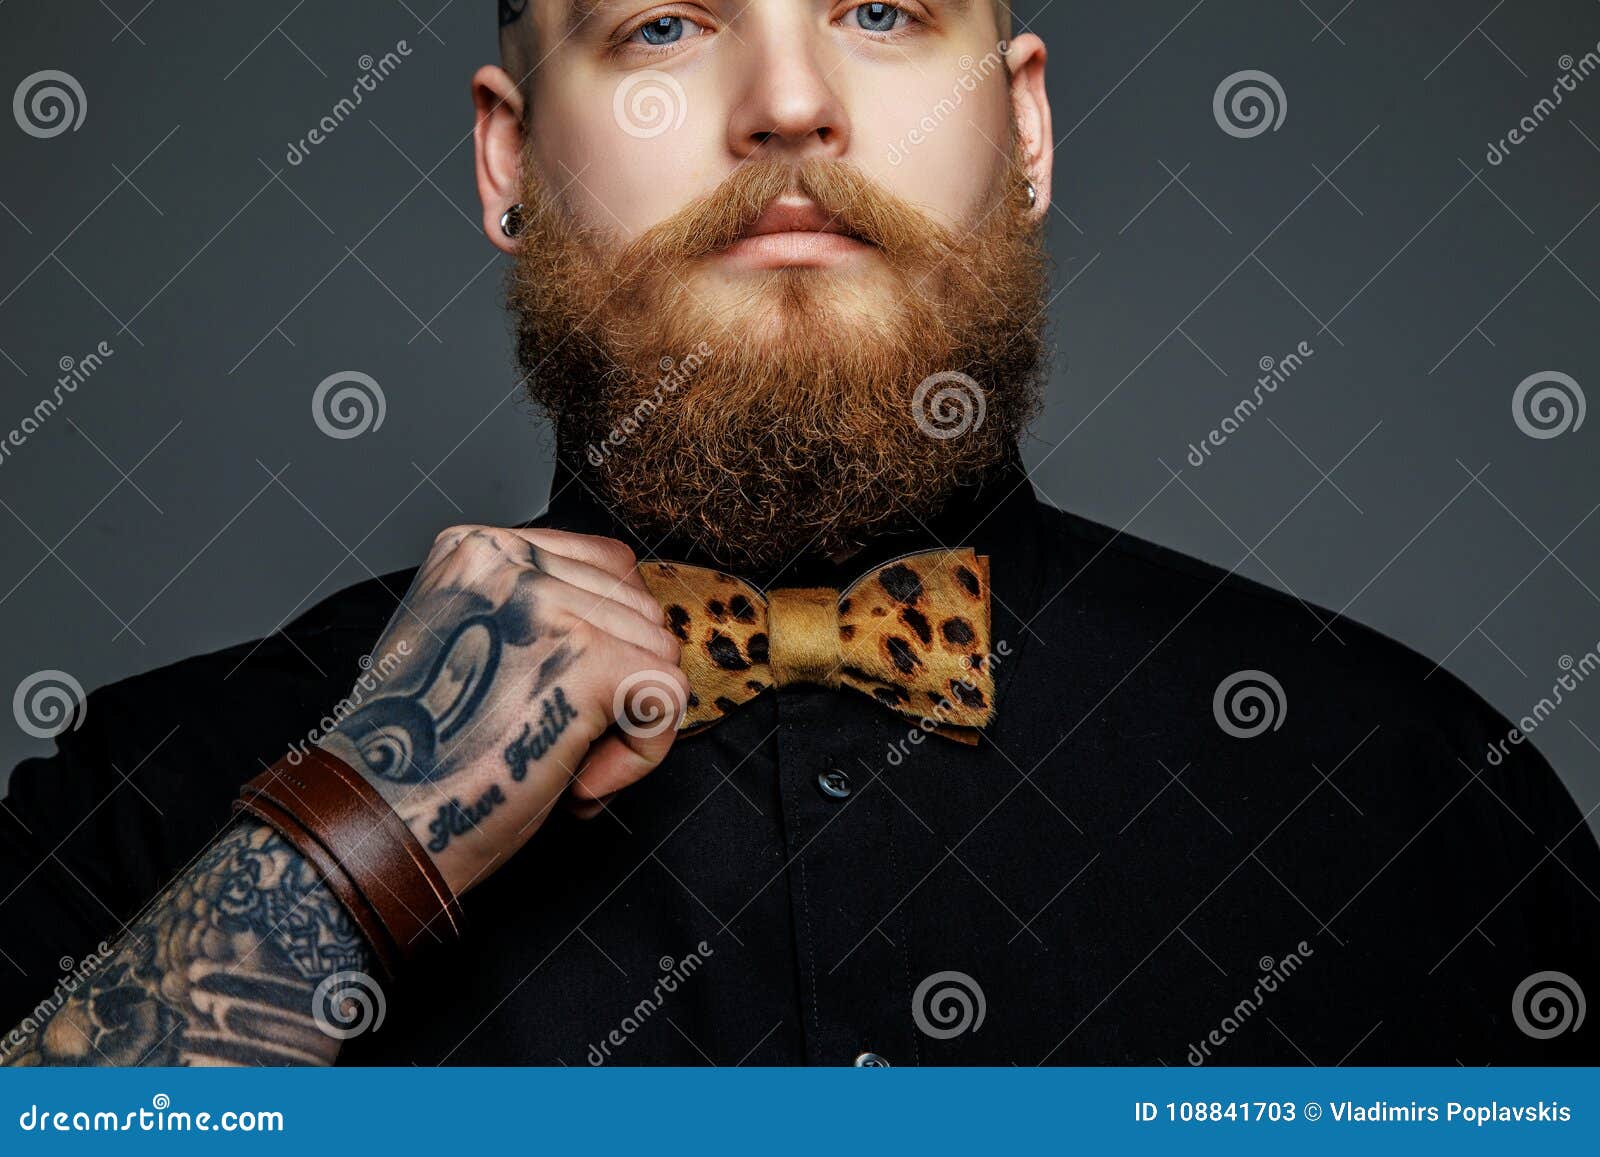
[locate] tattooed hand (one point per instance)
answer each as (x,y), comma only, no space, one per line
(521,647)
(518,645)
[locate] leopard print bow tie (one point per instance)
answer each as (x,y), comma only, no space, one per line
(913,634)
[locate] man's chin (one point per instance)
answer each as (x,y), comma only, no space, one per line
(837,303)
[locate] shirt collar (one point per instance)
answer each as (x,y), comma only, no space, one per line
(999,516)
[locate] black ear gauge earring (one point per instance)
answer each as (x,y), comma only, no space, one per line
(511,220)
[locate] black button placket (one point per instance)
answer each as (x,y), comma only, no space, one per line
(845,886)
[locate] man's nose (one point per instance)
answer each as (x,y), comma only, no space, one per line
(785,101)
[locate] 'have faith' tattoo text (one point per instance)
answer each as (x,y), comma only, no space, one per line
(457,819)
(531,745)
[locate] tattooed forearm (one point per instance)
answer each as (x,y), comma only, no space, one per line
(222,969)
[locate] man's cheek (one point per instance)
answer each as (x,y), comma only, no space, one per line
(631,149)
(939,144)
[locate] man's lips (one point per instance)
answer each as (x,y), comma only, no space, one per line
(793,232)
(794,216)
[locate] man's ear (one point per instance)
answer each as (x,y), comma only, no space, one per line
(1030,107)
(497,140)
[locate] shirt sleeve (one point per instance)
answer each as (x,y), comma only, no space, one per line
(1539,931)
(71,846)
(92,833)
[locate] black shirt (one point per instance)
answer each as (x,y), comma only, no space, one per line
(1123,878)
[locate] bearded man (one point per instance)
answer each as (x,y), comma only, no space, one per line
(797,729)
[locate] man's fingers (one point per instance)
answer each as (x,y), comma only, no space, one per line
(597,580)
(607,615)
(647,702)
(606,553)
(585,809)
(611,766)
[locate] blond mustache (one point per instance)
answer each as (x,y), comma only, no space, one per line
(840,190)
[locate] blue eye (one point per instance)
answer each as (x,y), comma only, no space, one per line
(878,17)
(663,31)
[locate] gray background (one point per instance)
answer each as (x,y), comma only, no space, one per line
(183,498)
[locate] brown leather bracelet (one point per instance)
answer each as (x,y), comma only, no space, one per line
(361,914)
(399,899)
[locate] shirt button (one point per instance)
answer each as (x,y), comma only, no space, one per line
(871,1061)
(834,783)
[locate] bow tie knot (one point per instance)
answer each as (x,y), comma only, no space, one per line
(913,634)
(803,636)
